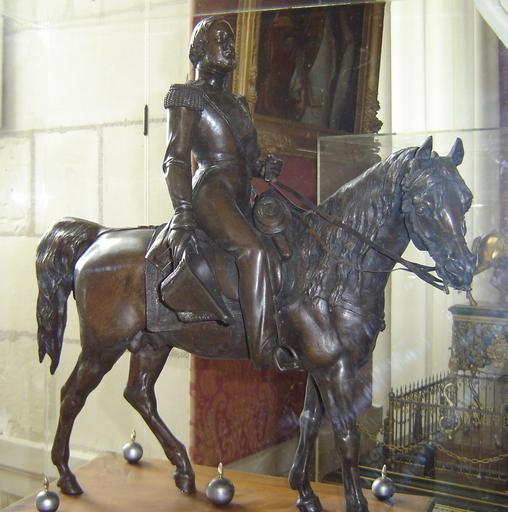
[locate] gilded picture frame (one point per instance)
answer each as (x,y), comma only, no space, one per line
(280,134)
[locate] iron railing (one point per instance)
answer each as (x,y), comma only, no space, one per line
(455,423)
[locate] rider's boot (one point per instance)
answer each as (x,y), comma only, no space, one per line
(261,357)
(259,314)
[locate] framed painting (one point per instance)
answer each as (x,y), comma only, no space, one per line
(309,71)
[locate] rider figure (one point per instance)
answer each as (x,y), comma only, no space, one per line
(215,126)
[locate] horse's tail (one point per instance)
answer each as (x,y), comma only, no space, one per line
(57,254)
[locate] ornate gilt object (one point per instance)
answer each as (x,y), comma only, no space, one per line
(491,251)
(479,337)
(480,332)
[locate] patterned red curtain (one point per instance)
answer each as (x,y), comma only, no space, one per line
(235,410)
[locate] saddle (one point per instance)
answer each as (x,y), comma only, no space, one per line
(204,285)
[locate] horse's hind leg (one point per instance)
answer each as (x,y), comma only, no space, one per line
(146,366)
(86,376)
(310,420)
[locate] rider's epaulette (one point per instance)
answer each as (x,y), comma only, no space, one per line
(183,95)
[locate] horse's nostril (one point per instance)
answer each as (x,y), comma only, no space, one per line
(454,267)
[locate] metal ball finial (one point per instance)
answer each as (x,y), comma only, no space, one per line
(383,487)
(220,490)
(132,451)
(46,500)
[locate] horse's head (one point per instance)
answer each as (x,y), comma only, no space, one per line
(434,202)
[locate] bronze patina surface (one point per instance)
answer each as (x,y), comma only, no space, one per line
(291,279)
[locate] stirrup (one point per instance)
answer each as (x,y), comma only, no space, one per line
(286,360)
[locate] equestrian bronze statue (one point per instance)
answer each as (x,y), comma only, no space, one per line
(286,287)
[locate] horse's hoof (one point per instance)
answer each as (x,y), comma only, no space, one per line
(359,505)
(311,504)
(69,485)
(185,482)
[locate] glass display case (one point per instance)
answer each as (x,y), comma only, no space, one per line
(74,142)
(439,369)
(83,134)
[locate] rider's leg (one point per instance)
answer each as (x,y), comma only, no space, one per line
(221,218)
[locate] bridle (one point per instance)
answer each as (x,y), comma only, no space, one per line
(422,271)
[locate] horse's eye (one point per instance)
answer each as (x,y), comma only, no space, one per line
(421,209)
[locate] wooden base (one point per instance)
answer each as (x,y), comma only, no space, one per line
(112,485)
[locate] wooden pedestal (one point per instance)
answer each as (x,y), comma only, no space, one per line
(112,485)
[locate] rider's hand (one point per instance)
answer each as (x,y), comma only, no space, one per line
(178,240)
(273,167)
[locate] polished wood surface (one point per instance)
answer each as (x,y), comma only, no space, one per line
(111,485)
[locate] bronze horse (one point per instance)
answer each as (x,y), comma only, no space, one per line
(330,304)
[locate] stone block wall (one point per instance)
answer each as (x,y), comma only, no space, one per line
(76,77)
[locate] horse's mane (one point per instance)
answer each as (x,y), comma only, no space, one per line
(363,204)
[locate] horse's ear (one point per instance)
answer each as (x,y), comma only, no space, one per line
(425,150)
(456,154)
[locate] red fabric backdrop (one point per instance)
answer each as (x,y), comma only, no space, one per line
(235,410)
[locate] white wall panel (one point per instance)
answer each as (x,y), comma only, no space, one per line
(15,185)
(66,177)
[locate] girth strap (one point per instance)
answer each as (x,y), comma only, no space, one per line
(422,271)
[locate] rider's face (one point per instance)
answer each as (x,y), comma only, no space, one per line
(220,52)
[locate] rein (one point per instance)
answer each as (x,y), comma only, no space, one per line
(422,271)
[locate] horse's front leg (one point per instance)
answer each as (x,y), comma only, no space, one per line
(310,419)
(336,386)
